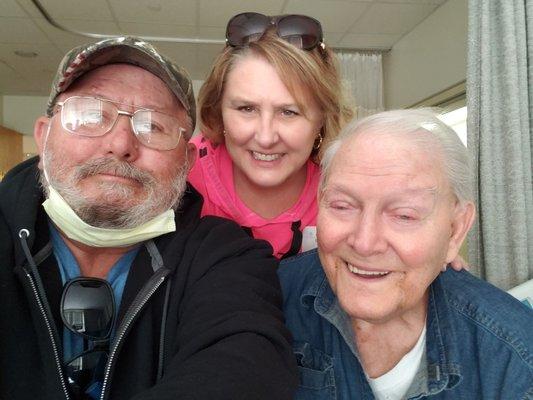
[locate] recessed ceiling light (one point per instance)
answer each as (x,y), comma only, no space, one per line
(26,54)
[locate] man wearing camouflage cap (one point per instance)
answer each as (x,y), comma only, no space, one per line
(111,285)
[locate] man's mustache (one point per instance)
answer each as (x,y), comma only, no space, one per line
(107,165)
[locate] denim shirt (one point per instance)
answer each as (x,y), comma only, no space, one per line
(479,342)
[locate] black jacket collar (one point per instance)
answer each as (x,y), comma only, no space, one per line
(21,199)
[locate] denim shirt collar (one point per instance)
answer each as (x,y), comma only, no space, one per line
(439,369)
(326,305)
(442,352)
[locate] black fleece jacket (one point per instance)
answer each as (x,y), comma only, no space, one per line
(217,334)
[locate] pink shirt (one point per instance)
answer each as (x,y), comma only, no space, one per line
(212,176)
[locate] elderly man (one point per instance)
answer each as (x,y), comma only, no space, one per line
(113,287)
(372,313)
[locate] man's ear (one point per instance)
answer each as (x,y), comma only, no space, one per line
(191,154)
(464,215)
(40,130)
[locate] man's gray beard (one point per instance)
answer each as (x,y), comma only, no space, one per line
(160,197)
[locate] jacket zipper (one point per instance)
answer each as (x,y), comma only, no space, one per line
(49,328)
(124,330)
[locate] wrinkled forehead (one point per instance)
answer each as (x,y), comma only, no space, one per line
(380,145)
(371,155)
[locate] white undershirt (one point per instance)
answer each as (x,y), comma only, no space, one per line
(394,384)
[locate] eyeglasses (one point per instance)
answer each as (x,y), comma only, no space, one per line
(300,30)
(92,117)
(88,310)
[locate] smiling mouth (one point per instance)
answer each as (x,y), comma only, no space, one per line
(366,273)
(266,157)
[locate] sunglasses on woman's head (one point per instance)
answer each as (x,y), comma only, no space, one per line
(300,30)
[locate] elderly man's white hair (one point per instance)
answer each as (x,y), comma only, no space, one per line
(421,127)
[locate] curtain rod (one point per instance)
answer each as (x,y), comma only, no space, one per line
(92,35)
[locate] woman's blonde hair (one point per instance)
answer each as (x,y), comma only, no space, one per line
(304,72)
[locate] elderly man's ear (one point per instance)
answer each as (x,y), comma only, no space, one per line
(463,219)
(40,130)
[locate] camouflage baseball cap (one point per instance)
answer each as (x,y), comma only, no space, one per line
(129,50)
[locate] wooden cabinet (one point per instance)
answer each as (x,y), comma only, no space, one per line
(10,149)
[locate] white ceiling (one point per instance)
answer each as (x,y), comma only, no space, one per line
(351,24)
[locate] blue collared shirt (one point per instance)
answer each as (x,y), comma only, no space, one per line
(69,269)
(479,342)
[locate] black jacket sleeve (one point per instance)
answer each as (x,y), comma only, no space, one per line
(230,340)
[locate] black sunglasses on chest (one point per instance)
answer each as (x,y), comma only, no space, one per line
(301,31)
(88,310)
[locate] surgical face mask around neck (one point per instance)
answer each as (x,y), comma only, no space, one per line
(75,228)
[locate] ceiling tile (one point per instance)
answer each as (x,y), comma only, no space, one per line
(347,24)
(173,12)
(8,71)
(20,30)
(332,39)
(64,41)
(182,54)
(28,7)
(205,57)
(179,52)
(361,41)
(213,33)
(218,12)
(14,85)
(438,2)
(10,8)
(142,29)
(47,57)
(93,10)
(91,26)
(334,15)
(28,75)
(22,87)
(392,18)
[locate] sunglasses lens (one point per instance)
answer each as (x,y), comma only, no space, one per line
(88,307)
(246,27)
(82,371)
(301,31)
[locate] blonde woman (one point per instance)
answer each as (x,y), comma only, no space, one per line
(268,109)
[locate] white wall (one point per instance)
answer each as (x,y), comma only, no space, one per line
(20,112)
(429,59)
